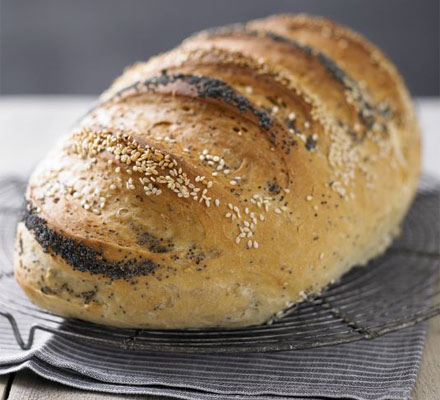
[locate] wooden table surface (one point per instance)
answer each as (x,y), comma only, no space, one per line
(33,123)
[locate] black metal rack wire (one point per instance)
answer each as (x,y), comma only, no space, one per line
(395,291)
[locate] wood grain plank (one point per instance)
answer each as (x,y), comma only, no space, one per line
(30,386)
(428,380)
(5,381)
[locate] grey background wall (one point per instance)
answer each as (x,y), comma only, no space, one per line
(79,46)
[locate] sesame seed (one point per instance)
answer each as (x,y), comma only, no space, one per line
(217,202)
(255,244)
(309,197)
(277,210)
(144,159)
(232,182)
(321,256)
(249,243)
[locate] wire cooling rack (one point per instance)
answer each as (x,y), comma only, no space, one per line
(395,291)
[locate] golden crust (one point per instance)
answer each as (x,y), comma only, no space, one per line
(221,182)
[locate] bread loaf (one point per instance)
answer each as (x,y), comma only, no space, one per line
(223,181)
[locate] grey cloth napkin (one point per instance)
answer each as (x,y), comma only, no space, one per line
(382,368)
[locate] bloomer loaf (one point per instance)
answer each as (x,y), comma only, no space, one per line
(223,181)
